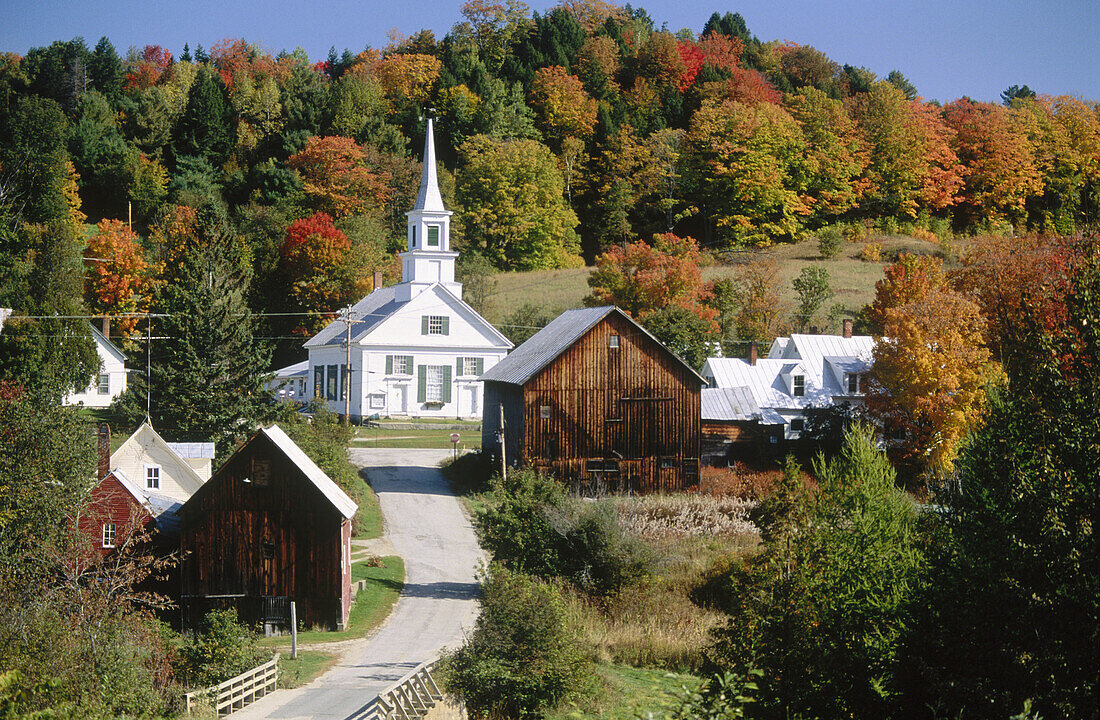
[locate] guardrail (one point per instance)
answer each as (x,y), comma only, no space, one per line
(410,698)
(238,692)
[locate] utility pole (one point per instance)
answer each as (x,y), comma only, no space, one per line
(500,436)
(347,368)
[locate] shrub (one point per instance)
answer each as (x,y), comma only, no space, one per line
(469,473)
(224,648)
(522,656)
(871,252)
(829,241)
(597,556)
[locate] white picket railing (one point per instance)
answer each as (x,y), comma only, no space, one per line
(241,691)
(410,698)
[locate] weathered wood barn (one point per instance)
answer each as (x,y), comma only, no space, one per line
(598,401)
(735,428)
(270,527)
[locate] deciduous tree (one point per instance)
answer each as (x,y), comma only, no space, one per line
(118,277)
(334,177)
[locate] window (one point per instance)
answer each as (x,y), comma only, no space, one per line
(104,384)
(613,342)
(399,364)
(799,385)
(319,381)
(330,385)
(668,463)
(468,366)
(414,236)
(261,473)
(109,530)
(853,383)
(152,477)
(435,325)
(433,236)
(544,412)
(797,424)
(268,549)
(434,388)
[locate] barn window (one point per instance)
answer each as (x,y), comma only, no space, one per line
(261,472)
(152,477)
(799,385)
(470,366)
(797,424)
(109,530)
(613,342)
(104,384)
(668,463)
(268,550)
(544,412)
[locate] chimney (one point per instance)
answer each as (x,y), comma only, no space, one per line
(813,329)
(377,279)
(754,353)
(848,327)
(103,437)
(107,326)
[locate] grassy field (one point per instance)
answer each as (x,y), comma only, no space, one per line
(440,439)
(372,605)
(308,665)
(627,693)
(852,279)
(369,514)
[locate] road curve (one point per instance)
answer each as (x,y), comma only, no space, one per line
(426,526)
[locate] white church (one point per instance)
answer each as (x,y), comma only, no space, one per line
(416,348)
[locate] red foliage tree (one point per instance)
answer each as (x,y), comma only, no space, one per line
(148,68)
(751,87)
(721,51)
(693,63)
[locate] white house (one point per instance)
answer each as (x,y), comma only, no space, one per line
(109,382)
(416,348)
(799,372)
(291,383)
(174,470)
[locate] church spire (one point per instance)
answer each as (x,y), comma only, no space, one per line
(429,198)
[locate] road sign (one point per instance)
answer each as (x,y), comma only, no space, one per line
(454,437)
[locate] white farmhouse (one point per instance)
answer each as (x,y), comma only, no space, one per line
(416,348)
(799,372)
(109,382)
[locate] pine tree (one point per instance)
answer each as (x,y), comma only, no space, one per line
(207,372)
(205,128)
(105,70)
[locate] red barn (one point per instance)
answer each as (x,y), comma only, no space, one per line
(269,527)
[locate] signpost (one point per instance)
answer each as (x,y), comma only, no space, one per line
(454,444)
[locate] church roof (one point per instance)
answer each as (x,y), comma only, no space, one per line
(429,198)
(367,314)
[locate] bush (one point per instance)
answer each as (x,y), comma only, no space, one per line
(531,525)
(522,656)
(223,649)
(469,473)
(829,241)
(871,252)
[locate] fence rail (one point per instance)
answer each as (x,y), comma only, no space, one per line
(238,692)
(410,698)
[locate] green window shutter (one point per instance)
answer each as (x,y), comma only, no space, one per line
(458,367)
(446,383)
(446,325)
(422,383)
(423,324)
(389,364)
(409,364)
(479,366)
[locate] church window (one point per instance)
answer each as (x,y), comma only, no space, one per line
(433,236)
(414,236)
(434,384)
(434,390)
(468,366)
(435,325)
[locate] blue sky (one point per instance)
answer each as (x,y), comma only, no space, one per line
(947,48)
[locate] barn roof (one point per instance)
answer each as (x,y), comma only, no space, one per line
(316,475)
(193,450)
(559,335)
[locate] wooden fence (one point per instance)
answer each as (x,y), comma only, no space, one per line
(238,692)
(410,698)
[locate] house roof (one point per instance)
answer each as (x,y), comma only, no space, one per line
(101,339)
(735,403)
(161,507)
(559,335)
(813,349)
(298,369)
(765,380)
(193,450)
(314,474)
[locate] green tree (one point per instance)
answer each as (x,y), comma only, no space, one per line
(512,206)
(821,608)
(812,288)
(207,372)
(105,70)
(522,656)
(682,331)
(34,165)
(206,126)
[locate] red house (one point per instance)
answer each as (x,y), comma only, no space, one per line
(268,528)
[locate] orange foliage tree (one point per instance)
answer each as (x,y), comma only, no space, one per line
(721,51)
(147,67)
(334,177)
(642,279)
(908,280)
(118,279)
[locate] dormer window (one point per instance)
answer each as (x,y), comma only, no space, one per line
(798,385)
(433,236)
(853,383)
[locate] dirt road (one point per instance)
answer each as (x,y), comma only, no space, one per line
(426,526)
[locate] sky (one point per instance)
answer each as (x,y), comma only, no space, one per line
(946,48)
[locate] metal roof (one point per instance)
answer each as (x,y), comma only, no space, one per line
(728,404)
(813,349)
(370,311)
(193,450)
(295,370)
(766,381)
(316,475)
(559,335)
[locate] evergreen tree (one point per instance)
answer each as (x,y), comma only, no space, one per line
(105,70)
(206,126)
(185,56)
(207,372)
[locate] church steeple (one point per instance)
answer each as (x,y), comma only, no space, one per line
(429,258)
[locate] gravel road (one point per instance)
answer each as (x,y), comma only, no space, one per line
(426,526)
